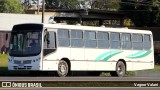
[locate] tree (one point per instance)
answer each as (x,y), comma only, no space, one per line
(156,12)
(142,12)
(111,5)
(83,4)
(11,6)
(61,4)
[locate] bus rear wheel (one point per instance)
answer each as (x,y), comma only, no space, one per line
(63,69)
(120,69)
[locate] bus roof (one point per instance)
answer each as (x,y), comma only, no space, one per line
(110,29)
(80,27)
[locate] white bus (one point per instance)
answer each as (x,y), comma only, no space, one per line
(67,48)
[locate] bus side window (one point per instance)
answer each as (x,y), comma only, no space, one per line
(46,39)
(115,40)
(76,38)
(126,41)
(103,39)
(137,42)
(63,37)
(90,39)
(146,42)
(52,42)
(49,40)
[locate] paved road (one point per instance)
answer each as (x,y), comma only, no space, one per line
(84,88)
(79,79)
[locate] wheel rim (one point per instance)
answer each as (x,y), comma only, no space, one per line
(120,70)
(62,69)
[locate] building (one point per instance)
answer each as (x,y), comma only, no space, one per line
(7,22)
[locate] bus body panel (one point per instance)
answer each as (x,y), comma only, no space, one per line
(50,65)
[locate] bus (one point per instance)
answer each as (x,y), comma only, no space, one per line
(66,48)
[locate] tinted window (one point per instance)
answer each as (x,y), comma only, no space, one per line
(115,36)
(52,40)
(146,42)
(137,41)
(63,38)
(76,38)
(102,40)
(126,41)
(49,40)
(91,35)
(90,39)
(115,40)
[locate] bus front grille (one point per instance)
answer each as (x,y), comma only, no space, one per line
(22,62)
(17,62)
(24,68)
(27,61)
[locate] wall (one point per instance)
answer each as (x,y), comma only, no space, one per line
(4,42)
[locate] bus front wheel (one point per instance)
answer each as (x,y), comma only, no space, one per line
(120,69)
(63,69)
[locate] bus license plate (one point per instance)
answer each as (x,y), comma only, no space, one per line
(20,66)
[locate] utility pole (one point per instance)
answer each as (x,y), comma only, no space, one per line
(38,7)
(43,10)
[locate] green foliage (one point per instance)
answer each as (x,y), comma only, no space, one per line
(111,5)
(3,60)
(11,6)
(75,4)
(142,13)
(61,4)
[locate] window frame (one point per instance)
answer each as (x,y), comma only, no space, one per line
(137,40)
(77,38)
(59,38)
(88,39)
(107,40)
(147,42)
(110,40)
(123,41)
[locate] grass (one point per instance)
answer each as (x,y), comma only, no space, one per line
(3,60)
(4,69)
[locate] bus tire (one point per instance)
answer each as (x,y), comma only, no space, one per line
(120,69)
(63,69)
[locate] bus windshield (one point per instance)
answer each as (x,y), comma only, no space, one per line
(25,43)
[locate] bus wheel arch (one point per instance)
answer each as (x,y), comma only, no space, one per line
(120,68)
(64,64)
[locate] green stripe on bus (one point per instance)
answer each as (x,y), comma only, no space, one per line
(105,56)
(139,54)
(102,55)
(111,55)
